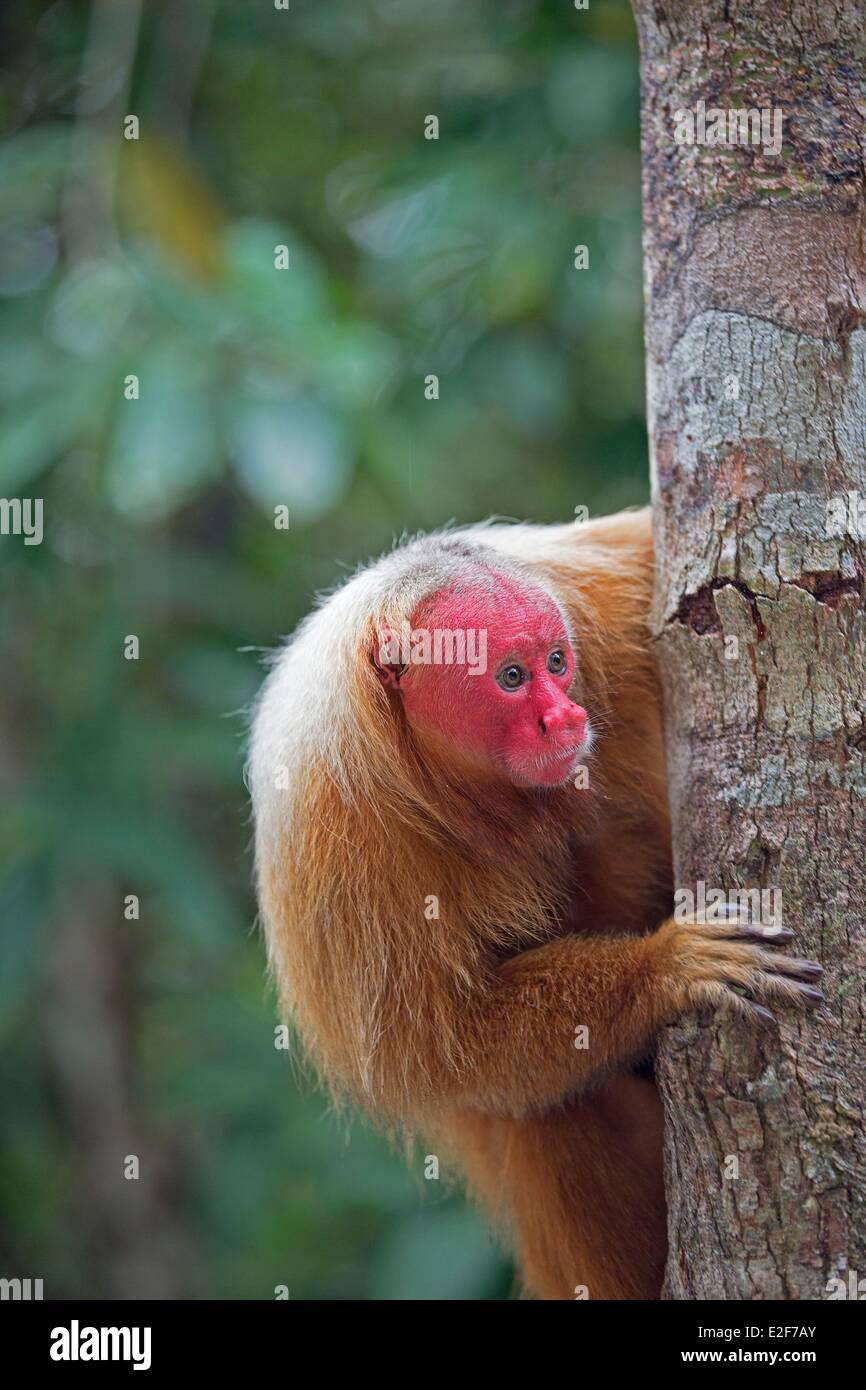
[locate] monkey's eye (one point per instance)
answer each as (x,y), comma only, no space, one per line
(511,677)
(557,663)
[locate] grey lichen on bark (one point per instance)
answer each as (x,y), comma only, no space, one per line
(755,274)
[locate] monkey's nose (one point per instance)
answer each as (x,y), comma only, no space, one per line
(563,719)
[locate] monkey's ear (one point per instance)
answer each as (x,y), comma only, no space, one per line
(386,657)
(390,675)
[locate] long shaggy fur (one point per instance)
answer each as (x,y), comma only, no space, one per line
(405,1012)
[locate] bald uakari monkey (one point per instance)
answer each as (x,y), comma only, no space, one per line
(464,872)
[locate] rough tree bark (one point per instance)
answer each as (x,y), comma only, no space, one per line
(756,285)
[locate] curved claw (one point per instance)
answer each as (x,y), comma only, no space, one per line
(810,992)
(794,966)
(768,933)
(811,968)
(765,1015)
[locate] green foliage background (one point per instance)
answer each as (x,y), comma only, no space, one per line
(304,387)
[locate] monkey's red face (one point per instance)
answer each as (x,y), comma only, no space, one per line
(505,704)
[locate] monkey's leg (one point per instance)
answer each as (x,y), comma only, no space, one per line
(578,1190)
(600,1230)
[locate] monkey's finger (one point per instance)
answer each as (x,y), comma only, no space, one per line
(791,965)
(784,987)
(741,929)
(735,962)
(747,1008)
(758,1011)
(756,932)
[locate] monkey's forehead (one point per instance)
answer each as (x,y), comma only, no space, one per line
(497,603)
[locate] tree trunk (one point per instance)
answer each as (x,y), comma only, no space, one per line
(754,269)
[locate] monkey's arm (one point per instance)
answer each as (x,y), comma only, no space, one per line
(521,1039)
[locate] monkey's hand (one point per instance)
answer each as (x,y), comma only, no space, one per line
(707,963)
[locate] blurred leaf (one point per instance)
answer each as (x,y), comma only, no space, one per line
(91,306)
(28,254)
(34,435)
(293,453)
(33,164)
(291,299)
(165,444)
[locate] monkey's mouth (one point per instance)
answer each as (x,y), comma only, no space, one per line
(556,767)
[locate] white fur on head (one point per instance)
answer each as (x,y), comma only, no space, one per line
(310,709)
